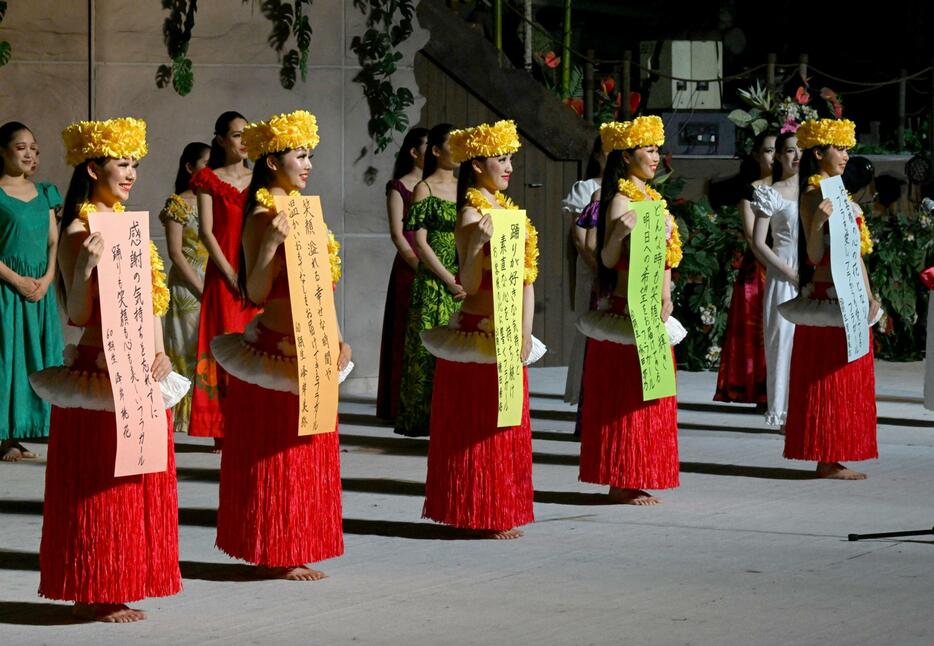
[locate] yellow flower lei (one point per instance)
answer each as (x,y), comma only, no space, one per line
(476,199)
(264,198)
(865,238)
(160,291)
(673,247)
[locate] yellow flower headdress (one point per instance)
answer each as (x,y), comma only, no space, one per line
(625,135)
(117,138)
(826,132)
(297,129)
(484,140)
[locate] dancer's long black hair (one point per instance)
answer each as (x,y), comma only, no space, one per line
(262,178)
(613,171)
(437,137)
(190,155)
(404,161)
(729,191)
(809,166)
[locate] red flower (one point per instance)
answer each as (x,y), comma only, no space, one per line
(737,259)
(837,109)
(679,201)
(609,84)
(802,96)
(828,94)
(576,104)
(634,100)
(550,59)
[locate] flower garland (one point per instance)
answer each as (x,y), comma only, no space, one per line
(160,291)
(477,200)
(265,199)
(673,250)
(865,237)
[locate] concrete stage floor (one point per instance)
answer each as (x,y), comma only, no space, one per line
(750,550)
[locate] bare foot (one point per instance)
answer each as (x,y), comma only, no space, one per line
(507,535)
(13,451)
(218,445)
(297,573)
(836,471)
(111,613)
(632,497)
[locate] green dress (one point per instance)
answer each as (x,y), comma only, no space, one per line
(184,316)
(30,333)
(432,305)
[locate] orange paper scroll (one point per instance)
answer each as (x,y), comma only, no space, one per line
(313,315)
(127,325)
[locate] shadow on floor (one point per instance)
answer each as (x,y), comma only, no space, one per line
(742,471)
(37,613)
(359,419)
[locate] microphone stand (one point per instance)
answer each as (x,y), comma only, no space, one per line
(916,532)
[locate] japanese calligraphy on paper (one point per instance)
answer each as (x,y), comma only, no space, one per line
(313,315)
(846,268)
(644,292)
(507,258)
(127,325)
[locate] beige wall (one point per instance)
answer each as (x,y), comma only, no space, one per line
(46,86)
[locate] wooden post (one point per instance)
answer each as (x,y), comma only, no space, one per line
(902,91)
(626,89)
(803,67)
(590,97)
(770,71)
(498,27)
(527,30)
(566,52)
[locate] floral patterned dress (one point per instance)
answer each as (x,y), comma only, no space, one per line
(184,315)
(432,305)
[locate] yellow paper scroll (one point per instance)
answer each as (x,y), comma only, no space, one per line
(644,291)
(507,257)
(127,326)
(313,315)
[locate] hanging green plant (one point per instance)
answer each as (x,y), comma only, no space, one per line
(176,31)
(289,20)
(389,23)
(6,50)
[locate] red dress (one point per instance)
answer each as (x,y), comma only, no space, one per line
(742,375)
(222,310)
(395,319)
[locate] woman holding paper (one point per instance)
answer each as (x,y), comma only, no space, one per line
(406,173)
(220,189)
(280,493)
(30,331)
(186,279)
(480,475)
(436,293)
(832,402)
(626,442)
(775,204)
(106,541)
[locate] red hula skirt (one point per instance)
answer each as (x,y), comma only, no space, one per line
(479,476)
(280,494)
(625,442)
(105,539)
(831,403)
(742,375)
(395,319)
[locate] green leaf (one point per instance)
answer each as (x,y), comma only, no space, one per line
(740,118)
(759,126)
(182,76)
(2,11)
(6,52)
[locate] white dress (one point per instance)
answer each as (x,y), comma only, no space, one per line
(929,357)
(779,332)
(571,206)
